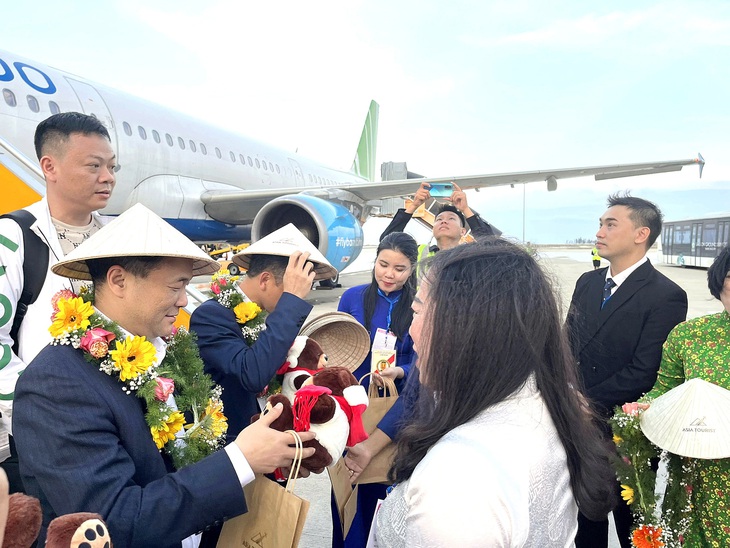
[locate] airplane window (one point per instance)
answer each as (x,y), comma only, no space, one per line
(192,145)
(233,156)
(243,160)
(218,153)
(156,135)
(271,167)
(258,164)
(127,129)
(250,162)
(168,138)
(33,104)
(203,149)
(9,97)
(142,133)
(277,168)
(264,164)
(54,107)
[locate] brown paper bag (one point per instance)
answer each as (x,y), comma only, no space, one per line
(275,515)
(379,405)
(345,495)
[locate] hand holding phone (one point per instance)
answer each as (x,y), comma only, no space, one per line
(440,190)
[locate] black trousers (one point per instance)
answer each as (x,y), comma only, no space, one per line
(10,465)
(594,534)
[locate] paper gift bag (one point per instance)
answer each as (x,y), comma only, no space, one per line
(345,495)
(379,405)
(275,516)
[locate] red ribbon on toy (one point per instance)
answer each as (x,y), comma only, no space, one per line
(304,400)
(354,417)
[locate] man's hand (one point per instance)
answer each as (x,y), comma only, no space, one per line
(299,275)
(419,198)
(458,199)
(266,449)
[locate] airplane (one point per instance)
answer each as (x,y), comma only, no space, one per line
(212,184)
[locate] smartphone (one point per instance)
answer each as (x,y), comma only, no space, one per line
(438,190)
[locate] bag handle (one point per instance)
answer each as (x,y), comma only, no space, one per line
(296,463)
(389,388)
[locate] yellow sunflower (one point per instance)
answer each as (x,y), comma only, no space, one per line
(627,493)
(133,356)
(246,311)
(215,421)
(72,314)
(167,430)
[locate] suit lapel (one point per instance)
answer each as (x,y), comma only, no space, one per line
(623,294)
(595,316)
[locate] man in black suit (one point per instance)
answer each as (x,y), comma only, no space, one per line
(619,318)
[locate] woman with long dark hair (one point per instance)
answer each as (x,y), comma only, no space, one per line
(501,451)
(384,307)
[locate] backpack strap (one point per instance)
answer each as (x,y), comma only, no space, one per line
(35,268)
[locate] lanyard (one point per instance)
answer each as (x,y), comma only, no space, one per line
(391,303)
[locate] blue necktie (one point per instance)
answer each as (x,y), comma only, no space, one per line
(607,291)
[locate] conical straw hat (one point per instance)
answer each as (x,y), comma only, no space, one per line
(345,341)
(284,242)
(135,233)
(691,420)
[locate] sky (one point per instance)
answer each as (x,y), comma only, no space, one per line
(464,87)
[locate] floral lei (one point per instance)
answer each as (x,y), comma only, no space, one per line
(248,314)
(133,361)
(658,526)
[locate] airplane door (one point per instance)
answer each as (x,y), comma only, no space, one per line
(93,104)
(298,175)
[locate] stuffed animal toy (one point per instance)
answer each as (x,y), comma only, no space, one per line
(330,403)
(80,530)
(303,360)
(23,521)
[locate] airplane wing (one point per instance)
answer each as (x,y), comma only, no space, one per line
(238,207)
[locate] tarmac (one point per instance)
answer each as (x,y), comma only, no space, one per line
(564,265)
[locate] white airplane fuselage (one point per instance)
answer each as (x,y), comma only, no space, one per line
(168,161)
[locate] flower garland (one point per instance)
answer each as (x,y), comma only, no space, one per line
(133,360)
(249,315)
(658,526)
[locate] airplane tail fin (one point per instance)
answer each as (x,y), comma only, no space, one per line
(364,162)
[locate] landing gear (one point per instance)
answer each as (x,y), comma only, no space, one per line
(332,283)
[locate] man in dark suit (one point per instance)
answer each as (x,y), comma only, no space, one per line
(280,270)
(618,320)
(82,437)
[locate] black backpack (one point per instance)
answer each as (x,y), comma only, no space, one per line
(34,270)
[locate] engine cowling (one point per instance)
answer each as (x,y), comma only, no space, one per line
(328,225)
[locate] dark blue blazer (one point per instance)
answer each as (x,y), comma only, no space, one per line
(243,370)
(84,446)
(618,348)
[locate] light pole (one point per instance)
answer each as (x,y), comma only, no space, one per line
(523,212)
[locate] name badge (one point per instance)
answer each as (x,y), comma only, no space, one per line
(384,340)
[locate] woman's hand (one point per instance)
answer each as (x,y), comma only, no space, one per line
(392,373)
(357,459)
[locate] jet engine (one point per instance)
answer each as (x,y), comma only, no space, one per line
(328,225)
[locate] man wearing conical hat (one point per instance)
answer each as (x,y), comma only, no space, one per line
(280,270)
(116,416)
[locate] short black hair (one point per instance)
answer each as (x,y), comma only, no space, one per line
(58,128)
(452,208)
(276,264)
(137,266)
(717,272)
(642,213)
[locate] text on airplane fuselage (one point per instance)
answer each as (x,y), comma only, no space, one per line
(27,73)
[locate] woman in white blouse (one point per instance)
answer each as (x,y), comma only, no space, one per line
(501,452)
